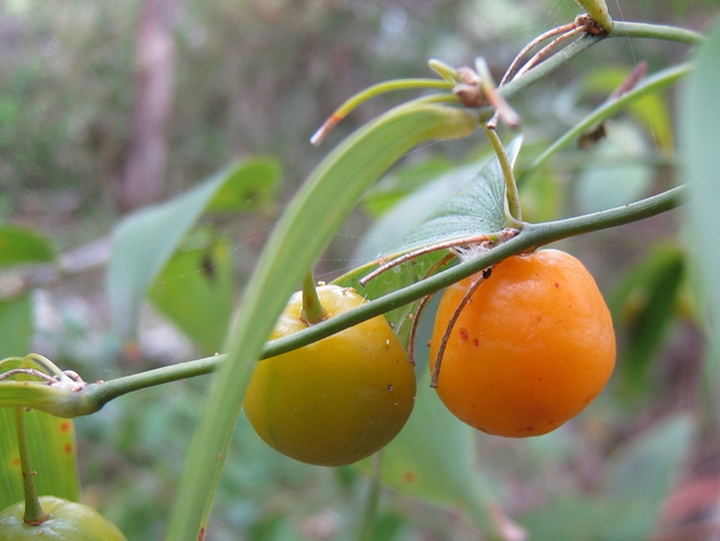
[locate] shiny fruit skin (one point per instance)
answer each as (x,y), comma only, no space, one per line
(533,347)
(70,521)
(335,401)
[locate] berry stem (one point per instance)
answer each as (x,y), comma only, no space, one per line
(312,311)
(34,514)
(513,214)
(96,395)
(372,501)
(435,378)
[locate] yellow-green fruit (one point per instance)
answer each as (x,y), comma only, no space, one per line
(69,521)
(335,401)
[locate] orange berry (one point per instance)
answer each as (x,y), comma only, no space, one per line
(533,347)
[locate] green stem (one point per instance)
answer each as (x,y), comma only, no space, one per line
(549,66)
(513,212)
(621,29)
(654,83)
(375,90)
(96,395)
(34,514)
(372,501)
(625,29)
(312,309)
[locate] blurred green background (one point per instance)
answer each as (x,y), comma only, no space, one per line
(249,78)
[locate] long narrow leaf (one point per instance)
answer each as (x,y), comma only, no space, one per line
(312,219)
(699,121)
(144,242)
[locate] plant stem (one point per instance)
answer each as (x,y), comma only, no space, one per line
(651,84)
(96,395)
(375,90)
(623,29)
(372,501)
(550,65)
(532,236)
(513,212)
(34,514)
(312,309)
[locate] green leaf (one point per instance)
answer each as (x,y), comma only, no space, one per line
(477,209)
(643,306)
(440,211)
(636,484)
(16,326)
(699,119)
(51,439)
(144,242)
(20,245)
(251,188)
(53,454)
(195,291)
(650,110)
(306,228)
(396,186)
(617,174)
(406,215)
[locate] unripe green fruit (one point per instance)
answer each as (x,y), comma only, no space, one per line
(69,521)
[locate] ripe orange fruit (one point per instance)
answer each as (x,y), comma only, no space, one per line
(335,401)
(533,347)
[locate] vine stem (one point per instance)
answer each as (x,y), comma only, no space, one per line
(375,90)
(34,513)
(513,213)
(621,29)
(96,395)
(626,29)
(654,83)
(372,501)
(312,309)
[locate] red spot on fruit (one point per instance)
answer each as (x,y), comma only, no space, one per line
(68,448)
(463,334)
(201,535)
(475,342)
(65,427)
(410,476)
(15,462)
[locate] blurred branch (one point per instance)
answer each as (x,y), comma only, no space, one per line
(144,175)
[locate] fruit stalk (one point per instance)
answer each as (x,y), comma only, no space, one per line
(312,309)
(34,514)
(513,214)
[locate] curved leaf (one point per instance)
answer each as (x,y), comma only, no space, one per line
(20,245)
(477,209)
(144,241)
(448,208)
(699,119)
(308,225)
(195,291)
(53,454)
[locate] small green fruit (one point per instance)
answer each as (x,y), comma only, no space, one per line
(69,521)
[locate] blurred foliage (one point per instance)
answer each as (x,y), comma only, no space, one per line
(257,77)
